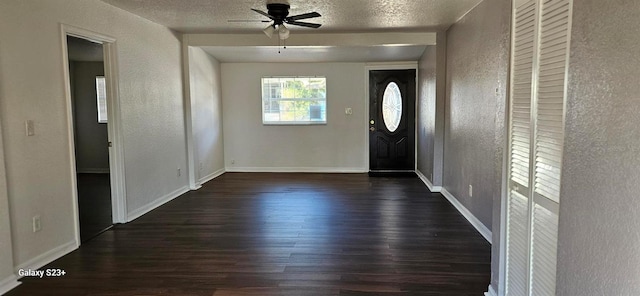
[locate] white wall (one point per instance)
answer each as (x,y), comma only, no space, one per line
(32,87)
(340,145)
(206,114)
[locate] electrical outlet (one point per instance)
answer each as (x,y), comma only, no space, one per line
(431,177)
(37,223)
(348,111)
(179,172)
(201,166)
(233,161)
(30,128)
(470,190)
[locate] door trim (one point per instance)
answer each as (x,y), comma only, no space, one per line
(408,65)
(114,128)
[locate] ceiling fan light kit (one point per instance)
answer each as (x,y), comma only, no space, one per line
(283,32)
(269,30)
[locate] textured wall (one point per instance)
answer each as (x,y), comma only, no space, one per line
(206,110)
(32,87)
(339,145)
(91,138)
(599,235)
(477,71)
(426,113)
(477,65)
(441,99)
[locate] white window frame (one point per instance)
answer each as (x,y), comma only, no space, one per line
(101,99)
(271,98)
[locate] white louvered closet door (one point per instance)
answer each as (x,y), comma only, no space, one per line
(540,46)
(524,32)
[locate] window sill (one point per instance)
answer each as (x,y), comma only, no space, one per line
(293,123)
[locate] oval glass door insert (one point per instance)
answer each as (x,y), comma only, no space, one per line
(392,106)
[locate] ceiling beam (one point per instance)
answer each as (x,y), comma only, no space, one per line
(301,39)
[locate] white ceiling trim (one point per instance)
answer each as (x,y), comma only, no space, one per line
(314,54)
(327,39)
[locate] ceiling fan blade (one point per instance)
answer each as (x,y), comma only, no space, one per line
(263,13)
(247,21)
(303,24)
(303,16)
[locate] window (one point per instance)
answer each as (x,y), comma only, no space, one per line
(294,100)
(392,106)
(101,94)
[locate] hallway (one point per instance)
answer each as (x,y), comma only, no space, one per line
(284,234)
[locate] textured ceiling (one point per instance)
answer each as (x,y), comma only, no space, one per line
(211,16)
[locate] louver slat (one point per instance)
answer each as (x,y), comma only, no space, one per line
(521,94)
(517,250)
(544,252)
(549,140)
(520,148)
(554,37)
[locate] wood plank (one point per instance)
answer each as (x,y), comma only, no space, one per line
(284,234)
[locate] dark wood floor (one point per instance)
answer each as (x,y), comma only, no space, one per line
(94,204)
(284,234)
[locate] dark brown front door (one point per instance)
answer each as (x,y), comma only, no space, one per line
(392,120)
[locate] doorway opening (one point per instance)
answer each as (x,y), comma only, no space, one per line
(95,145)
(91,139)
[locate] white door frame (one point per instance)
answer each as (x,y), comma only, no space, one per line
(388,66)
(114,127)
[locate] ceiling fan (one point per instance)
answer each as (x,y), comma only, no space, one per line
(278,14)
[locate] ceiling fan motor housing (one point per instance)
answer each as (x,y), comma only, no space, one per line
(279,11)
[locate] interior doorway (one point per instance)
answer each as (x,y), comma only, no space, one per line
(114,144)
(392,96)
(89,107)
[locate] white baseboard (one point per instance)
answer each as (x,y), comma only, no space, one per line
(135,214)
(93,171)
(294,170)
(484,231)
(211,176)
(8,284)
(428,183)
(48,257)
(491,292)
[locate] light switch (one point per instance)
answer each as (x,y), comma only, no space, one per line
(348,111)
(30,128)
